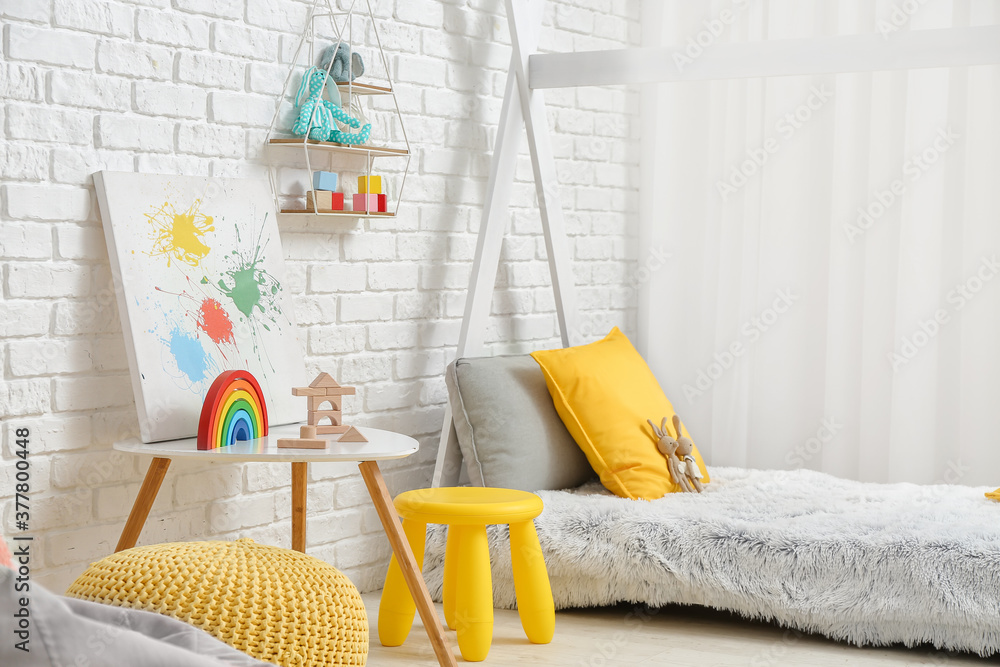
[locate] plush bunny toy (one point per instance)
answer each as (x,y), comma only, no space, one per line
(682,465)
(689,466)
(667,445)
(319,116)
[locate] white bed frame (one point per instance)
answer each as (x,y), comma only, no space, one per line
(530,73)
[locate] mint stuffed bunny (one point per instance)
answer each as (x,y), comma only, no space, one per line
(324,113)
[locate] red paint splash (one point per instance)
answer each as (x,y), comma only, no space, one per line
(214,321)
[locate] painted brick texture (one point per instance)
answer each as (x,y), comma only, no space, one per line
(185,86)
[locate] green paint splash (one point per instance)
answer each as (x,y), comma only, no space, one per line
(252,289)
(245,291)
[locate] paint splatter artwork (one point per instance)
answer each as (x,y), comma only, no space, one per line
(201,289)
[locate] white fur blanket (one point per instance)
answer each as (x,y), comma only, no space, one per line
(869,564)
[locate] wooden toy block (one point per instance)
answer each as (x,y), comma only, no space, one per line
(335,417)
(302,443)
(364,202)
(326,429)
(371,185)
(307,431)
(308,391)
(317,402)
(324,380)
(352,435)
(324,180)
(341,391)
(325,201)
(321,199)
(371,203)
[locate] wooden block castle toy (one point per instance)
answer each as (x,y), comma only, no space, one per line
(324,389)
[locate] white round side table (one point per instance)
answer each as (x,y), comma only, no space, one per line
(381,446)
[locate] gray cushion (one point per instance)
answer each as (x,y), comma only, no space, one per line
(65,633)
(509,432)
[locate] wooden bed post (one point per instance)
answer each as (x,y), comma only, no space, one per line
(521,106)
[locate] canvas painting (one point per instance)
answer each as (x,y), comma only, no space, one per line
(200,279)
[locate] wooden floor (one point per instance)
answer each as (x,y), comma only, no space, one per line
(675,636)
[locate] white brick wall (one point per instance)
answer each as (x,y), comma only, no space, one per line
(182,86)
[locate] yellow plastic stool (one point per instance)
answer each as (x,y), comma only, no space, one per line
(468,586)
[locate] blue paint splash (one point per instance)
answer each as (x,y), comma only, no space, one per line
(189,354)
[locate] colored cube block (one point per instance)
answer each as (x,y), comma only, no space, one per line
(321,199)
(371,203)
(363,202)
(370,185)
(325,201)
(324,180)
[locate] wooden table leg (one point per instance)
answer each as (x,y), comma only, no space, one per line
(140,508)
(300,471)
(407,563)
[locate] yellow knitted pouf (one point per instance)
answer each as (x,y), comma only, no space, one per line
(278,605)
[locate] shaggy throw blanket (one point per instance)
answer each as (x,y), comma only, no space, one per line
(865,563)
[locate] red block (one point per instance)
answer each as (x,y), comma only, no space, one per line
(375,203)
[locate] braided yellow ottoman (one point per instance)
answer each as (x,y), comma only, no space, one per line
(278,605)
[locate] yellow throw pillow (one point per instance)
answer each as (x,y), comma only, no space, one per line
(604,392)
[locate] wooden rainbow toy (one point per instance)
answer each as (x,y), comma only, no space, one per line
(234,410)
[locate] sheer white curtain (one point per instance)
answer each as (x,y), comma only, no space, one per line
(832,299)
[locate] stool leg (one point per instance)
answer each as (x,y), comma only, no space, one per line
(474,595)
(531,584)
(396,608)
(451,565)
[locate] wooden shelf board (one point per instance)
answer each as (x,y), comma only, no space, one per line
(337,213)
(333,146)
(365,89)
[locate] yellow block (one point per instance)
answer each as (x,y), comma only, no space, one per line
(604,392)
(375,182)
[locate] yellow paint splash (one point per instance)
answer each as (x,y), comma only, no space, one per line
(180,235)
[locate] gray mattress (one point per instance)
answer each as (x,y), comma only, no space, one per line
(870,564)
